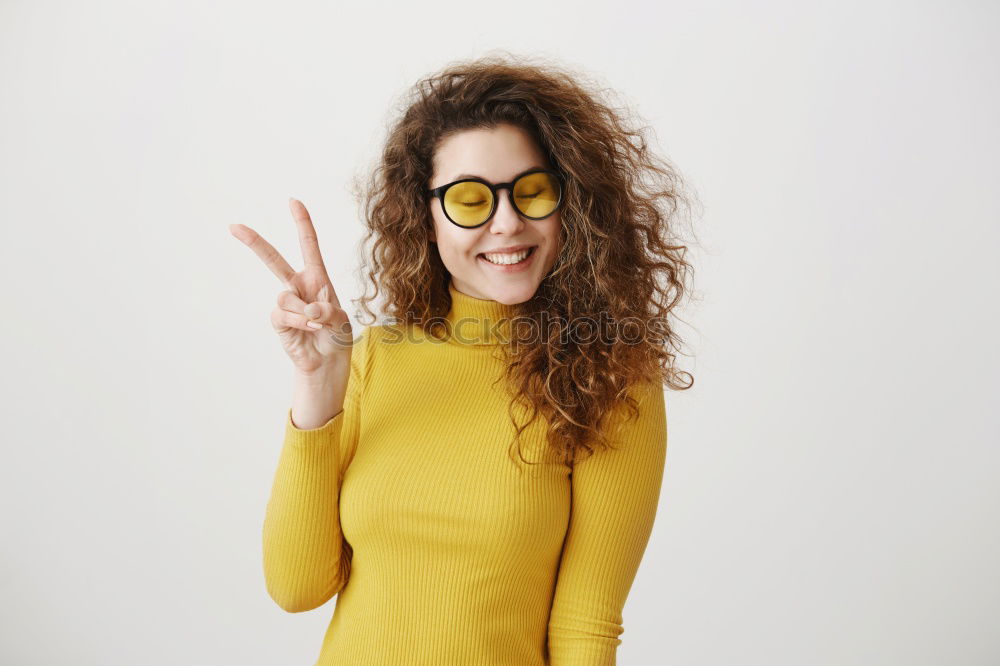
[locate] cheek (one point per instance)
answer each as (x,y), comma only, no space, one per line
(454,246)
(553,233)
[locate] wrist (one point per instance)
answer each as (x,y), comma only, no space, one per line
(330,371)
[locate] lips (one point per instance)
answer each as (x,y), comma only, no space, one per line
(519,248)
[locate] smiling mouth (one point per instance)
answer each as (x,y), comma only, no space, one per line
(531,251)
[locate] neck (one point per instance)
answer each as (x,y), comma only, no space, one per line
(475,321)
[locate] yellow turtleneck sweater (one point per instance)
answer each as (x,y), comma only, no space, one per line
(443,549)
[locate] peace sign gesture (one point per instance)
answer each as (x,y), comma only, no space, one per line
(314,330)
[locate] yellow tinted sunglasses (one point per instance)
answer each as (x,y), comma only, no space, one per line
(471,202)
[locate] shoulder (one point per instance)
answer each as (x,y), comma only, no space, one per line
(374,338)
(641,420)
(391,339)
(360,357)
(371,344)
(633,455)
(646,403)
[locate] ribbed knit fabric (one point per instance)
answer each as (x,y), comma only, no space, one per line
(411,506)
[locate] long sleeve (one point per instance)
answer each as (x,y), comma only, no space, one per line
(306,560)
(614,500)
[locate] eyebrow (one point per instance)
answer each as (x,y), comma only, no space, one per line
(472,175)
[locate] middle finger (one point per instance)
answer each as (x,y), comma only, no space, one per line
(307,235)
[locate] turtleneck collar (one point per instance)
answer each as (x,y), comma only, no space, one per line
(477,322)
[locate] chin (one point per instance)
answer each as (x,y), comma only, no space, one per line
(512,294)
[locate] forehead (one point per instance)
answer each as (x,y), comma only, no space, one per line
(495,154)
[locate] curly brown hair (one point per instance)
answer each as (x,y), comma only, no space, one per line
(620,255)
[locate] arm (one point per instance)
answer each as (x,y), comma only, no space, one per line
(306,560)
(615,496)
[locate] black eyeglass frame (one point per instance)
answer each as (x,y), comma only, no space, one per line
(439,192)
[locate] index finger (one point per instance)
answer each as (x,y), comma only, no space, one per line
(307,235)
(271,257)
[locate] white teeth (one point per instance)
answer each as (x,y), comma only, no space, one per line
(506,259)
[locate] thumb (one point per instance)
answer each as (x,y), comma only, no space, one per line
(320,311)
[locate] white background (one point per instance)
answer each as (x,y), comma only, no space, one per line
(831,493)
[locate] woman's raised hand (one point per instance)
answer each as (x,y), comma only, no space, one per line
(314,330)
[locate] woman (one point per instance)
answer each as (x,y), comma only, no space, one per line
(477,479)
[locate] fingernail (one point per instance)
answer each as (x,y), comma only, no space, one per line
(314,324)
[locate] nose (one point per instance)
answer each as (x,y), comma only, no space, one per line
(506,218)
